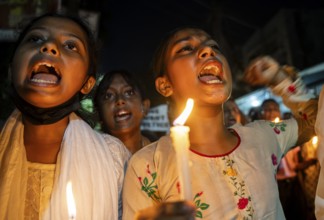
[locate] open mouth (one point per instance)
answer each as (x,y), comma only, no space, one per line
(122,115)
(211,74)
(45,73)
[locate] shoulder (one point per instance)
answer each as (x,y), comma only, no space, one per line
(156,152)
(264,127)
(117,149)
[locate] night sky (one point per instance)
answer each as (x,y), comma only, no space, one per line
(130,30)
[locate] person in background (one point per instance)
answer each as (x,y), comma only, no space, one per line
(254,114)
(291,193)
(44,144)
(319,127)
(232,169)
(122,104)
(270,110)
(232,114)
(308,170)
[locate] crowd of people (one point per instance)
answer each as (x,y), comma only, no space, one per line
(118,173)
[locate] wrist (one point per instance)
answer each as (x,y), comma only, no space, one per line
(284,72)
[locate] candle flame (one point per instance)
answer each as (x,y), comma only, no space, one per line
(70,201)
(185,114)
(314,140)
(276,120)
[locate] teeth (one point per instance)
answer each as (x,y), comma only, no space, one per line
(121,113)
(43,81)
(45,64)
(214,81)
(213,69)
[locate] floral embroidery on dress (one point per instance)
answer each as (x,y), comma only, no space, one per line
(274,159)
(278,127)
(239,188)
(292,89)
(200,206)
(150,188)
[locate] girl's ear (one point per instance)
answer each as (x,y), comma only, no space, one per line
(146,104)
(163,86)
(87,87)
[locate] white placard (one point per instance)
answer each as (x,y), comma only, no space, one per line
(156,119)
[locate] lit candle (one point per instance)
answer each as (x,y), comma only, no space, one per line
(314,143)
(70,201)
(276,120)
(180,140)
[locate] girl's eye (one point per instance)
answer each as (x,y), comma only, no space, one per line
(35,39)
(129,93)
(71,46)
(185,48)
(215,47)
(109,96)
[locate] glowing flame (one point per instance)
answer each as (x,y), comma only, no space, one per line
(314,140)
(185,114)
(70,201)
(276,120)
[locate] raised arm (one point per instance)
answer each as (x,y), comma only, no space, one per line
(284,81)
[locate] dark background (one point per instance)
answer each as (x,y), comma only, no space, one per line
(130,30)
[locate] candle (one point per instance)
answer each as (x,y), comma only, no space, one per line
(180,140)
(70,201)
(276,120)
(314,143)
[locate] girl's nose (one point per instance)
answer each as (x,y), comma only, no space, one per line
(206,51)
(49,48)
(120,101)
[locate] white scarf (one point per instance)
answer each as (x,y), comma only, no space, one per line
(84,159)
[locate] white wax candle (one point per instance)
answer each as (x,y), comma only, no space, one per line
(180,141)
(70,201)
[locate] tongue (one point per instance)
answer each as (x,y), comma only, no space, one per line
(207,78)
(46,77)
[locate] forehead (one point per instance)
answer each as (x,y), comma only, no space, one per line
(187,34)
(270,105)
(118,78)
(60,26)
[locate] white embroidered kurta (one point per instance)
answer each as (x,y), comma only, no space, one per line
(238,185)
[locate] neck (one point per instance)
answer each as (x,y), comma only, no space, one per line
(133,141)
(208,134)
(43,142)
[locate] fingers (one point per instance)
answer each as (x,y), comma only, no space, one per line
(261,70)
(171,211)
(177,208)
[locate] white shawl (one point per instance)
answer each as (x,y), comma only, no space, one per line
(84,159)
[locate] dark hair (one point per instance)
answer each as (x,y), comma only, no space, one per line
(106,82)
(244,119)
(266,101)
(158,67)
(91,42)
(158,61)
